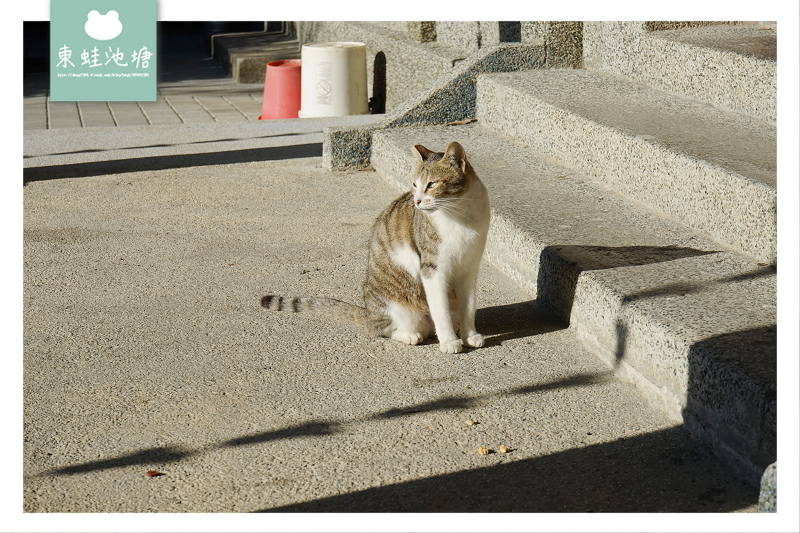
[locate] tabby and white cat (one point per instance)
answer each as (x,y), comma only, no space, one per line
(424,255)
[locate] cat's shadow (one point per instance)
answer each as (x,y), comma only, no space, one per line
(501,323)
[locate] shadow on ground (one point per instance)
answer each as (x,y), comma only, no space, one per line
(658,472)
(142,164)
(664,471)
(514,321)
(141,457)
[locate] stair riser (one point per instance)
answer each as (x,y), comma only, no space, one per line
(692,380)
(727,207)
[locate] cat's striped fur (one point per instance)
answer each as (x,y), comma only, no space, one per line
(345,310)
(423,261)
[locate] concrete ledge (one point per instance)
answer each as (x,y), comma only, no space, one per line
(649,146)
(452,97)
(731,66)
(130,148)
(691,325)
(348,148)
(564,41)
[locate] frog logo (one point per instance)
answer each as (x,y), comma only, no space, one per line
(103,27)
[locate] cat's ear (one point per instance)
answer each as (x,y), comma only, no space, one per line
(423,152)
(456,156)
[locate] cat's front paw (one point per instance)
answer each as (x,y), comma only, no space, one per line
(476,340)
(453,346)
(405,337)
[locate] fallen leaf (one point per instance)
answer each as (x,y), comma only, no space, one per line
(154,473)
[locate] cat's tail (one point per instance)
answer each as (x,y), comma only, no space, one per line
(347,311)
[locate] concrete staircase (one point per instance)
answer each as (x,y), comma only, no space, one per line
(637,200)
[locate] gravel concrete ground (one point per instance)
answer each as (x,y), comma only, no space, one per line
(145,350)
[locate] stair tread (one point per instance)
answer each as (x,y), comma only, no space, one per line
(749,40)
(738,143)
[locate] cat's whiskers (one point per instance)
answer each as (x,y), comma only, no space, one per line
(453,206)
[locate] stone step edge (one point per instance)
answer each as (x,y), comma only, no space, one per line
(750,100)
(748,234)
(513,250)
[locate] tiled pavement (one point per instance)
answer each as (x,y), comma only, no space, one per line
(189,102)
(192,88)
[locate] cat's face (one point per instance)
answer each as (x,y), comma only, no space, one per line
(440,179)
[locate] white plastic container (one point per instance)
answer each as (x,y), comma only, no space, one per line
(334,80)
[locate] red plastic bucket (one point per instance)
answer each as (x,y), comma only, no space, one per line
(281,90)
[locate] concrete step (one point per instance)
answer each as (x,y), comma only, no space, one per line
(731,66)
(712,170)
(245,55)
(691,323)
(156,147)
